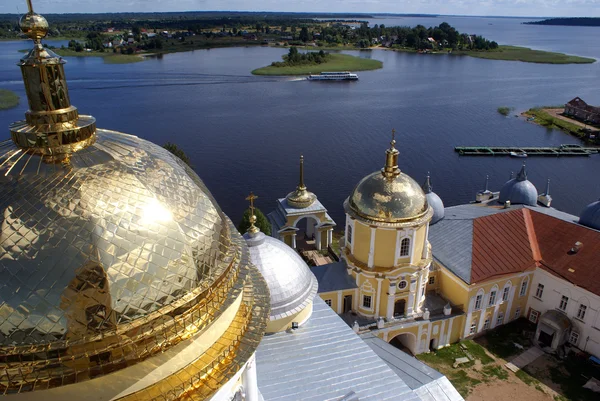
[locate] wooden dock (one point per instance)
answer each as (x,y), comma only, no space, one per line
(562,150)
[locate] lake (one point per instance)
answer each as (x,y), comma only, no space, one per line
(245,133)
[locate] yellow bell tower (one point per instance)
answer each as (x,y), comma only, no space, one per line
(385,245)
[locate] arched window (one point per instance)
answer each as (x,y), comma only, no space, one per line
(405,247)
(349,234)
(524,287)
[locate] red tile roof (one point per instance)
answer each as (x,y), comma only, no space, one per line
(515,241)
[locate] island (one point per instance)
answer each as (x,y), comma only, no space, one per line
(136,35)
(576,21)
(8,99)
(296,63)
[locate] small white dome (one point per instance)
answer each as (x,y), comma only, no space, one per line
(591,215)
(291,283)
(434,201)
(519,190)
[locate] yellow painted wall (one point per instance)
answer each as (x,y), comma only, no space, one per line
(385,248)
(419,242)
(362,241)
(450,289)
(287,239)
(274,326)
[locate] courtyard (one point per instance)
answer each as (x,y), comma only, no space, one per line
(485,378)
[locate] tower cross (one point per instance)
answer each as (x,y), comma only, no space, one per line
(393,137)
(30,6)
(251,198)
(252,230)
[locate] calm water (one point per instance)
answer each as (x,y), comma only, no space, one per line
(246,133)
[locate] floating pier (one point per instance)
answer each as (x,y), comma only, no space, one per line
(562,150)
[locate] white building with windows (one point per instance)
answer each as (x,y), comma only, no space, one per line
(552,300)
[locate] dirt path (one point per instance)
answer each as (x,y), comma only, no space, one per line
(557,113)
(512,389)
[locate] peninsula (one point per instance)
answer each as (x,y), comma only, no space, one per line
(295,63)
(581,21)
(137,34)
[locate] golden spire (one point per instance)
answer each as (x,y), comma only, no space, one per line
(52,126)
(301,198)
(252,230)
(391,169)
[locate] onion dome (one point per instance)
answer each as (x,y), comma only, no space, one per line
(301,198)
(519,190)
(434,201)
(112,251)
(591,215)
(291,283)
(388,196)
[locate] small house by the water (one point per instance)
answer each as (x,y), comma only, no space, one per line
(580,110)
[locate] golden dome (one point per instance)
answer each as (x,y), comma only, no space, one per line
(388,196)
(113,252)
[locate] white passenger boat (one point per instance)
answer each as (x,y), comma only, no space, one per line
(334,76)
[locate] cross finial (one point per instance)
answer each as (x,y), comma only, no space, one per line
(252,229)
(393,143)
(30,6)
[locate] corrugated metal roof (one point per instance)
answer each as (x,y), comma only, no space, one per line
(333,277)
(324,360)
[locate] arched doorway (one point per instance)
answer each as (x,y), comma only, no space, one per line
(406,342)
(307,236)
(400,308)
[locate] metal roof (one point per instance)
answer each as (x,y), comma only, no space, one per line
(325,360)
(333,277)
(452,244)
(427,382)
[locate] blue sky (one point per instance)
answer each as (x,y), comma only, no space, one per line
(576,8)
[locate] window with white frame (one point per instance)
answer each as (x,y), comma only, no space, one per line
(349,233)
(500,319)
(473,328)
(523,288)
(478,301)
(540,291)
(486,324)
(581,312)
(402,284)
(367,301)
(564,301)
(431,279)
(328,302)
(574,338)
(405,247)
(505,294)
(533,316)
(517,312)
(492,298)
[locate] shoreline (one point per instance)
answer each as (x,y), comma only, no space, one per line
(338,62)
(552,118)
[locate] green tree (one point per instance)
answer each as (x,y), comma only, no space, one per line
(304,34)
(177,151)
(261,222)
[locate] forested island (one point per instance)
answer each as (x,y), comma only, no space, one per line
(296,63)
(124,37)
(8,99)
(578,21)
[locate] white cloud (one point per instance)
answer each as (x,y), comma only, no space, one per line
(462,7)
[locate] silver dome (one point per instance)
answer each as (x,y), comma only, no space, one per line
(434,201)
(591,215)
(291,283)
(519,190)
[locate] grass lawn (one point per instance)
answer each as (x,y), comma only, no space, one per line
(337,62)
(544,119)
(501,341)
(515,53)
(8,99)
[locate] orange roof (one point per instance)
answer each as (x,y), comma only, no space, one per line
(517,240)
(556,239)
(503,243)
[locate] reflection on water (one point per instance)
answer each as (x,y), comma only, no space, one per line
(245,133)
